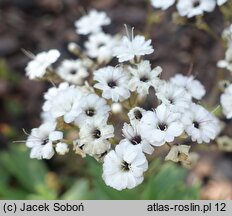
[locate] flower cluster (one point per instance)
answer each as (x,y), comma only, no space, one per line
(226,97)
(227,62)
(189,8)
(226,101)
(93,91)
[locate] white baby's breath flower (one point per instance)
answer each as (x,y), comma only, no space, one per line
(94,136)
(37,67)
(92,107)
(113,82)
(221,2)
(200,124)
(161,125)
(51,93)
(124,167)
(40,141)
(163,4)
(66,104)
(173,96)
(143,77)
(100,46)
(226,102)
(46,117)
(193,87)
(132,134)
(92,22)
(227,62)
(128,48)
(227,35)
(193,8)
(62,148)
(135,115)
(74,71)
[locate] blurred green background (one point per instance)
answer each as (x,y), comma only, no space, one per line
(23,178)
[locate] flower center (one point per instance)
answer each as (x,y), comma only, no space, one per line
(112,84)
(125,166)
(90,112)
(144,79)
(73,72)
(45,141)
(196,3)
(100,44)
(196,124)
(96,134)
(171,100)
(162,126)
(136,140)
(138,114)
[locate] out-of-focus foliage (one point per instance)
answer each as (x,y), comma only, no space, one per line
(23,178)
(6,74)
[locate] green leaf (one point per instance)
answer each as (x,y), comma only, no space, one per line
(29,173)
(78,191)
(6,74)
(43,192)
(169,183)
(7,192)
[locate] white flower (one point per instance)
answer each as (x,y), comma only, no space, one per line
(161,125)
(163,4)
(143,77)
(62,148)
(132,134)
(40,141)
(74,71)
(173,96)
(192,8)
(92,22)
(129,49)
(227,35)
(92,107)
(66,104)
(46,117)
(124,167)
(227,62)
(226,102)
(193,87)
(113,82)
(51,93)
(37,67)
(135,115)
(100,46)
(200,124)
(221,2)
(94,136)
